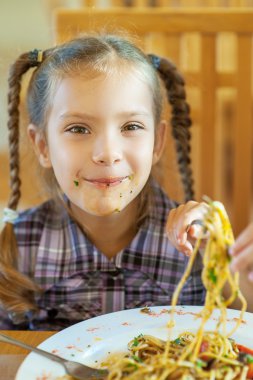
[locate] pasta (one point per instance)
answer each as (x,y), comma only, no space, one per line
(204,354)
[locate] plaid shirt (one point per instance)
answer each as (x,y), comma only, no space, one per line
(79,282)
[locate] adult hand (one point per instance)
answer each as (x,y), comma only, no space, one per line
(242,252)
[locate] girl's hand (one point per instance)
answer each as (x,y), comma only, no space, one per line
(184,225)
(242,253)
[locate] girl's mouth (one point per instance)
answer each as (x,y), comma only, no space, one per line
(107,182)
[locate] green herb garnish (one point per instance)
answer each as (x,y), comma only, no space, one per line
(212,276)
(135,366)
(249,359)
(135,342)
(200,363)
(136,358)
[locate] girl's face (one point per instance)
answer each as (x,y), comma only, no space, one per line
(101,141)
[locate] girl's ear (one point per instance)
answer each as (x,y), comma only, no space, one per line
(160,140)
(39,145)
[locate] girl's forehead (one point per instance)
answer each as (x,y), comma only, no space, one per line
(102,93)
(118,79)
(108,67)
(121,72)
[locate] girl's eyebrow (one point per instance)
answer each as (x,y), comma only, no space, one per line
(140,112)
(132,113)
(78,115)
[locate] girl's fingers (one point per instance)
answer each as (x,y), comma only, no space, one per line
(186,217)
(184,247)
(172,232)
(179,226)
(187,248)
(173,227)
(197,231)
(181,217)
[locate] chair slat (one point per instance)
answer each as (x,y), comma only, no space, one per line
(207,116)
(68,22)
(243,134)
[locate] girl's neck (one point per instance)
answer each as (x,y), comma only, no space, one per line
(110,234)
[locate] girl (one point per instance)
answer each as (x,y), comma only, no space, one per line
(99,244)
(183,232)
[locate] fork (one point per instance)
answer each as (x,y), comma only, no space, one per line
(77,370)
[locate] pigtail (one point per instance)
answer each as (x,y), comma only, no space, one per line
(180,120)
(16,290)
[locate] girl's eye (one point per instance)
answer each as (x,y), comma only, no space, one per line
(131,127)
(78,129)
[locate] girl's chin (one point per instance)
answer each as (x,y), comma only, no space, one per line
(105,213)
(103,208)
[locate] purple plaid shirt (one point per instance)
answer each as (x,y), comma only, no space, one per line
(79,282)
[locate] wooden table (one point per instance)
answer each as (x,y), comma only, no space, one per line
(12,356)
(34,338)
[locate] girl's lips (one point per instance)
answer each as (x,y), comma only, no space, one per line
(107,182)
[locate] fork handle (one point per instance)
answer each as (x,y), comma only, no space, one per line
(8,339)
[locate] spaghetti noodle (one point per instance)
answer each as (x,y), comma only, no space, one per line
(205,354)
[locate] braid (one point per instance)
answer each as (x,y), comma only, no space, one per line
(16,290)
(180,119)
(15,75)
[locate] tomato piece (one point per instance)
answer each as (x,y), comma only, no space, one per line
(203,348)
(250,371)
(245,349)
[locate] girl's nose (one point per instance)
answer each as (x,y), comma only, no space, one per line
(106,152)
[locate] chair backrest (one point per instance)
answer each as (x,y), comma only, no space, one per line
(218,70)
(167,3)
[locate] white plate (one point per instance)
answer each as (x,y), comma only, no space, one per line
(90,341)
